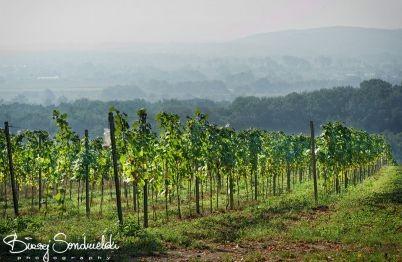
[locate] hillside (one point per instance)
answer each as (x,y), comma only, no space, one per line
(328,41)
(282,227)
(291,229)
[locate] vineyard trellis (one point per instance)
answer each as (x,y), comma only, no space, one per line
(196,164)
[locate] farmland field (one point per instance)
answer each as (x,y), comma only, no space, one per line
(198,191)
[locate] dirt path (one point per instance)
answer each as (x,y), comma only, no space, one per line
(253,251)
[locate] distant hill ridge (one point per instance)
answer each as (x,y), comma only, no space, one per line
(337,40)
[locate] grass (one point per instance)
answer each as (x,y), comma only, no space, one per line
(367,215)
(364,223)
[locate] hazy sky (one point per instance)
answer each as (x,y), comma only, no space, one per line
(25,22)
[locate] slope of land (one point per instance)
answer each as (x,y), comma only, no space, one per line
(363,224)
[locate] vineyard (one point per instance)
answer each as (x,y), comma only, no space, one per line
(190,169)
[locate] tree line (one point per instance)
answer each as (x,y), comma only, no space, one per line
(374,106)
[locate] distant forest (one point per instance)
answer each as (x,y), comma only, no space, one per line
(375,106)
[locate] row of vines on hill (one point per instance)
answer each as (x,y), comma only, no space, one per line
(189,168)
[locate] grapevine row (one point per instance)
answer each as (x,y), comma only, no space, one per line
(189,168)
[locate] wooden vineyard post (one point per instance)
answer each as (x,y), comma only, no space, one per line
(288,174)
(255,185)
(145,203)
(143,130)
(197,195)
(11,168)
(40,175)
(231,188)
(115,170)
(86,164)
(313,162)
